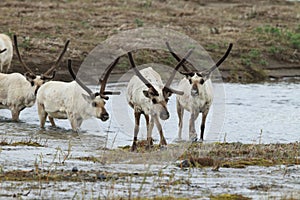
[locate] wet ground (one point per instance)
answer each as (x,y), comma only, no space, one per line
(254,113)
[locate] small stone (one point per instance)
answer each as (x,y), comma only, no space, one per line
(163,148)
(92,175)
(184,164)
(101,177)
(74,169)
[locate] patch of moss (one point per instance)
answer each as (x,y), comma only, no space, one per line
(21,143)
(88,158)
(161,198)
(239,155)
(229,197)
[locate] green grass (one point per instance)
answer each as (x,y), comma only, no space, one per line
(280,35)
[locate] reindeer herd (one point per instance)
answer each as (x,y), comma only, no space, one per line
(145,93)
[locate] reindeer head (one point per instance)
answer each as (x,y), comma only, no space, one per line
(37,80)
(96,100)
(198,78)
(159,96)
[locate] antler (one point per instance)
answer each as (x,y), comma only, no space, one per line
(208,71)
(168,83)
(177,57)
(104,79)
(20,58)
(82,85)
(220,61)
(44,77)
(137,72)
(58,60)
(1,51)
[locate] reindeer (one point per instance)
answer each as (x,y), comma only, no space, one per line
(19,91)
(73,100)
(150,102)
(197,97)
(6,57)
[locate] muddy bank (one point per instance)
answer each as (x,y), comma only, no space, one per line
(265,171)
(265,33)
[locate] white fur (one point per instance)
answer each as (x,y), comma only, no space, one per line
(136,87)
(17,93)
(194,104)
(5,57)
(143,105)
(63,100)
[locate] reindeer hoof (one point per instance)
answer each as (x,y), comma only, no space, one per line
(133,149)
(163,143)
(163,147)
(148,147)
(194,139)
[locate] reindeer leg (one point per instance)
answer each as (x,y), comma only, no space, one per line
(79,121)
(15,114)
(149,133)
(74,125)
(51,121)
(192,130)
(180,112)
(42,115)
(1,66)
(163,141)
(137,116)
(147,120)
(204,115)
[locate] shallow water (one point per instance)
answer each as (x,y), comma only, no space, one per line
(254,113)
(266,113)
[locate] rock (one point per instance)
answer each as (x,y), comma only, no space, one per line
(74,169)
(101,177)
(184,164)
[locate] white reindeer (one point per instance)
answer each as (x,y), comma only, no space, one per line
(73,100)
(6,57)
(197,97)
(18,91)
(147,95)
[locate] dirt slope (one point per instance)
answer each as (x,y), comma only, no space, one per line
(266,34)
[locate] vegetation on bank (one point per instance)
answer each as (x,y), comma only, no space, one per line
(213,156)
(217,155)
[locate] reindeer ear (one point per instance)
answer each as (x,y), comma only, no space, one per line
(146,93)
(30,77)
(167,92)
(205,76)
(87,98)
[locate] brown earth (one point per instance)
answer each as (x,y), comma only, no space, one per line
(265,34)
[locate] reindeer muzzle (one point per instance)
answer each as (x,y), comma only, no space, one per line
(104,116)
(194,91)
(164,115)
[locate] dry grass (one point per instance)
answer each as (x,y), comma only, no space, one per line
(46,25)
(238,155)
